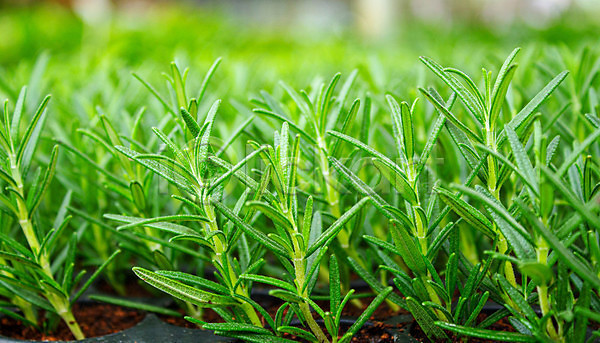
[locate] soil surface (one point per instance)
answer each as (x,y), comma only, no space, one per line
(94,320)
(376,332)
(134,288)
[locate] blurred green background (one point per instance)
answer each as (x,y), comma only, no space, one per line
(84,51)
(285,39)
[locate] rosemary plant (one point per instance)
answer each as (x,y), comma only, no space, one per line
(310,115)
(35,275)
(417,237)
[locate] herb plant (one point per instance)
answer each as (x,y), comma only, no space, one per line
(35,275)
(478,197)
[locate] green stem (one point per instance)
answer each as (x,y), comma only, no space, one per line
(59,302)
(299,267)
(542,257)
(495,190)
(63,308)
(299,263)
(333,199)
(221,256)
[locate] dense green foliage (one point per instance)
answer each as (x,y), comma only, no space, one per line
(440,186)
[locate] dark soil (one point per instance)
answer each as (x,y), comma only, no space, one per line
(93,318)
(134,288)
(377,333)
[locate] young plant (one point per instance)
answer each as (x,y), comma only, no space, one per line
(485,107)
(299,244)
(311,115)
(200,175)
(416,236)
(129,187)
(36,275)
(544,241)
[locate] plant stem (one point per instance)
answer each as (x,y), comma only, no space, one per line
(493,188)
(299,267)
(59,302)
(222,259)
(542,257)
(333,199)
(299,262)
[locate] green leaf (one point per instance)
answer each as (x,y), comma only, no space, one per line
(281,118)
(19,259)
(367,191)
(269,280)
(194,280)
(403,118)
(396,179)
(433,136)
(32,133)
(335,296)
(16,118)
(540,273)
(518,299)
(94,276)
(159,223)
(209,74)
(326,237)
(202,142)
(571,198)
(155,93)
(470,101)
(250,231)
(482,301)
(492,335)
(177,153)
(521,158)
(449,116)
(298,332)
(364,147)
(425,319)
(470,84)
(276,216)
(526,179)
(285,295)
(235,327)
(410,252)
(348,119)
(234,135)
(182,291)
(138,196)
(469,213)
(231,171)
(565,255)
(45,182)
(178,85)
(362,319)
(503,80)
(96,166)
(529,109)
(576,153)
(325,101)
(374,283)
(516,235)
